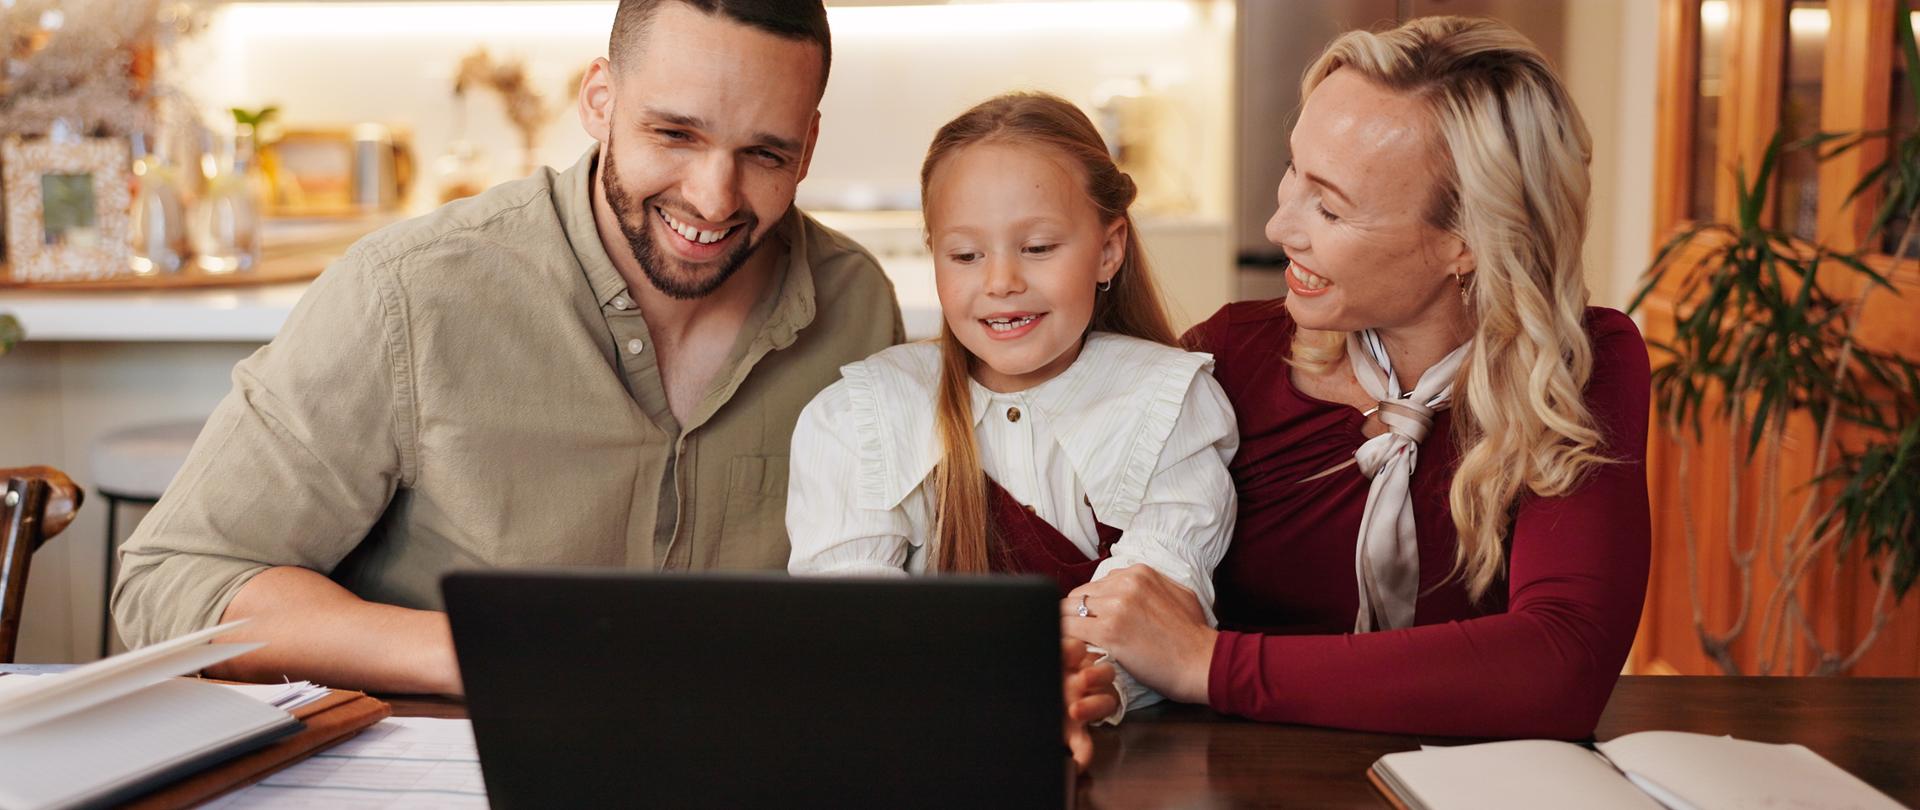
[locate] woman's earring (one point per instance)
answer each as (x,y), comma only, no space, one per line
(1104,285)
(1461,279)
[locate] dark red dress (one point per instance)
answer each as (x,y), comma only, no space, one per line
(1538,656)
(1025,544)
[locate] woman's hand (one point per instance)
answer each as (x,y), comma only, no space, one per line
(1090,697)
(1150,625)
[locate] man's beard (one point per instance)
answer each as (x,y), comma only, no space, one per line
(676,278)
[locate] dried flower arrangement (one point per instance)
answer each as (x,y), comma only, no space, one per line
(527,110)
(88,66)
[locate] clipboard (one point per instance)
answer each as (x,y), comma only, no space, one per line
(329,721)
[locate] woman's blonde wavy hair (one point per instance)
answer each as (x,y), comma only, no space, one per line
(1513,186)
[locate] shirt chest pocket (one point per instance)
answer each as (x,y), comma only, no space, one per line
(754,527)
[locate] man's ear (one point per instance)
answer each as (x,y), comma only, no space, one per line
(1113,249)
(813,137)
(596,100)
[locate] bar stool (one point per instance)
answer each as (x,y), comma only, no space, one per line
(134,466)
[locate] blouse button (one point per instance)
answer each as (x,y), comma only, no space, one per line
(1030,510)
(1013,414)
(634,346)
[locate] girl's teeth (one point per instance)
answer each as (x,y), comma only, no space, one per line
(1008,325)
(1308,280)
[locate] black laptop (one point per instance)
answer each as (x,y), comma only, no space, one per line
(603,689)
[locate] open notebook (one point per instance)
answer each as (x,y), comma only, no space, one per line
(1649,770)
(110,730)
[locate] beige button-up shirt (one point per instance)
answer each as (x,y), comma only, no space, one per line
(476,387)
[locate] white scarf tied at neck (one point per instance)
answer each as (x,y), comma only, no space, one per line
(1386,556)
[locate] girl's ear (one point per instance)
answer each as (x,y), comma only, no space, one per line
(1113,250)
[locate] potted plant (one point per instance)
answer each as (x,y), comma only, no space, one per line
(1759,339)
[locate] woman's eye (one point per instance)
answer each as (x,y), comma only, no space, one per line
(1039,250)
(1325,214)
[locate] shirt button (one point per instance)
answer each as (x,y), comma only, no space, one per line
(622,302)
(634,346)
(1013,414)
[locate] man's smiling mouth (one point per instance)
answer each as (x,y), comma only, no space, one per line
(692,234)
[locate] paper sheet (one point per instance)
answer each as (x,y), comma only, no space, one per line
(401,763)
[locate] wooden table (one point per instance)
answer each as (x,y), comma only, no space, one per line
(1189,757)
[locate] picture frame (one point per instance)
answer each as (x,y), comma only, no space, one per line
(67,208)
(336,171)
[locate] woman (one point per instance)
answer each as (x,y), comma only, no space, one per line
(1443,523)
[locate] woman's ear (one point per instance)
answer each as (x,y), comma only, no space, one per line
(1113,249)
(1460,260)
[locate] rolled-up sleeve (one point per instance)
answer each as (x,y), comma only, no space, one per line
(295,465)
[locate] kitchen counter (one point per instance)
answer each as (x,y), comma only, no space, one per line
(254,314)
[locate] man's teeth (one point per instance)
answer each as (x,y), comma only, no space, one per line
(1308,280)
(691,233)
(1009,324)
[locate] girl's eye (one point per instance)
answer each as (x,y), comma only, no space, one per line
(1039,250)
(963,258)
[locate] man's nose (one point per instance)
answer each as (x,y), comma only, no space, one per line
(712,187)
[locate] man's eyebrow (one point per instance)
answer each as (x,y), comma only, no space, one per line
(674,118)
(777,142)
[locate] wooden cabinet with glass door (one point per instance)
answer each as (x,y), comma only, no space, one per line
(1744,578)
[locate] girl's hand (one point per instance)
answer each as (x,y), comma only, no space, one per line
(1090,697)
(1152,626)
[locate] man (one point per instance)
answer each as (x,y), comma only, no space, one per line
(600,366)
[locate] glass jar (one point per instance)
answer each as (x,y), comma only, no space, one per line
(226,218)
(159,215)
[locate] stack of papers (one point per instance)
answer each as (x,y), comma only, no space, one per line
(284,696)
(401,763)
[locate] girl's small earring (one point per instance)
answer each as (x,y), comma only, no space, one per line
(1104,285)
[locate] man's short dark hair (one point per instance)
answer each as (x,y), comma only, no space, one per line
(801,20)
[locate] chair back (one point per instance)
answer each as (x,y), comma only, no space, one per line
(37,503)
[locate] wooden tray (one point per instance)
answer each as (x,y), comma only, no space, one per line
(280,263)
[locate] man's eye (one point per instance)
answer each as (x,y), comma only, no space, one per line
(672,134)
(768,157)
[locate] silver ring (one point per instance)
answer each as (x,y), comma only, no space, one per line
(1084,613)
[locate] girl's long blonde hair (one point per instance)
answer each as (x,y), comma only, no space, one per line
(1131,307)
(1513,185)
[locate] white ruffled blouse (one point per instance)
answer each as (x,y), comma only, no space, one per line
(1136,433)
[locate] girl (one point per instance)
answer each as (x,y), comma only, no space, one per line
(1054,428)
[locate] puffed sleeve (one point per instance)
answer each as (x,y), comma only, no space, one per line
(830,532)
(1186,516)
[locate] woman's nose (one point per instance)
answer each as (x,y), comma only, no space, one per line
(1283,228)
